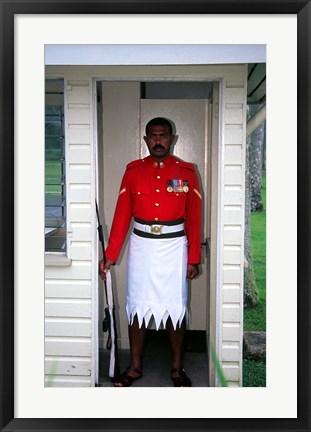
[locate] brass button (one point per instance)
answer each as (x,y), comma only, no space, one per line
(156,219)
(157,204)
(157,190)
(158,177)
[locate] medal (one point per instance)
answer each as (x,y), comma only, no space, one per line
(169,186)
(175,185)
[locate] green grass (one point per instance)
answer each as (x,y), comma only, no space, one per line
(254,371)
(255,318)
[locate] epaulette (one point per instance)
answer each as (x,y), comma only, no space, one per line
(184,164)
(134,163)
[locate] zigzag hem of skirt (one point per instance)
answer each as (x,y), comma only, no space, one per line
(160,316)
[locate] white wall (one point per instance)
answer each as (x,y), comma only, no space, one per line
(230,242)
(70,291)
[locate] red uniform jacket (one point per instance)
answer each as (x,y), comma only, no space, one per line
(149,191)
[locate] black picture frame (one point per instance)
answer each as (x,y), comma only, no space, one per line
(10,8)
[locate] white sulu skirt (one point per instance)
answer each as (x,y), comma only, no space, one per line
(157,280)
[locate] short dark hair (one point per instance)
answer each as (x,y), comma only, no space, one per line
(160,121)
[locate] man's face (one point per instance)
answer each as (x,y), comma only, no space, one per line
(159,141)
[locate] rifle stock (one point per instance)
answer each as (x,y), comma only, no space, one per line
(109,321)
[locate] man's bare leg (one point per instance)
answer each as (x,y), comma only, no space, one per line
(177,341)
(137,339)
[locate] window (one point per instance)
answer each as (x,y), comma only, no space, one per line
(55,190)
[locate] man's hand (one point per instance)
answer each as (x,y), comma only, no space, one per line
(192,271)
(104,267)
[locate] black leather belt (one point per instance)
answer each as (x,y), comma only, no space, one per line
(167,229)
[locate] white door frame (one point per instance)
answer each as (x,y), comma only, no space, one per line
(217,153)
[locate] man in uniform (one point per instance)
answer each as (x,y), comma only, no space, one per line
(162,194)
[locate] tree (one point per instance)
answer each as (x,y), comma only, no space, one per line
(257,147)
(250,287)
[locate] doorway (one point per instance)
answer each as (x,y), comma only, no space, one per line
(123,110)
(190,118)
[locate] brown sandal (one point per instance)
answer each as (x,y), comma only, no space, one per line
(126,380)
(181,380)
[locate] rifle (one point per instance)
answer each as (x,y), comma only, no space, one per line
(109,321)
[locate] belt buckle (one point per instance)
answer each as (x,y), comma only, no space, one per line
(156,229)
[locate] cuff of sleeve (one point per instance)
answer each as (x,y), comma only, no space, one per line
(194,259)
